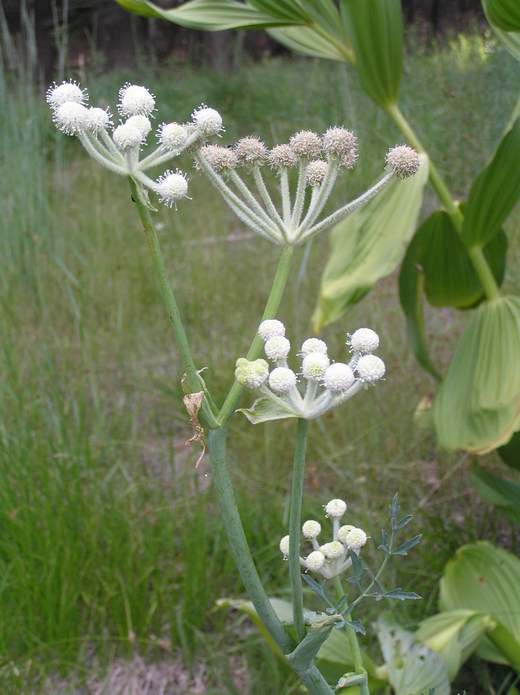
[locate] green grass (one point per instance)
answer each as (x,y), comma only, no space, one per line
(110,540)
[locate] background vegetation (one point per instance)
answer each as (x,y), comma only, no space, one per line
(110,542)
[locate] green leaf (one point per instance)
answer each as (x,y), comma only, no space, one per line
(264,410)
(454,635)
(412,666)
(510,41)
(368,245)
(375,30)
(486,579)
(503,14)
(502,493)
(308,41)
(494,192)
(477,405)
(510,452)
(208,15)
(302,657)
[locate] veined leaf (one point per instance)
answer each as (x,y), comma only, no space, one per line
(486,579)
(208,15)
(308,41)
(413,667)
(510,40)
(264,410)
(477,407)
(501,492)
(375,30)
(368,245)
(503,14)
(454,635)
(494,192)
(289,11)
(324,13)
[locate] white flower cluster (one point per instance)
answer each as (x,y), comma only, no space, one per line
(332,558)
(319,161)
(119,148)
(327,384)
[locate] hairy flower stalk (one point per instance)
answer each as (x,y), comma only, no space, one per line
(319,161)
(119,149)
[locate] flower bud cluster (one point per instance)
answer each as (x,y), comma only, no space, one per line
(332,557)
(118,148)
(318,159)
(327,384)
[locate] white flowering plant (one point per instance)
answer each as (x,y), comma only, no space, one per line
(287,219)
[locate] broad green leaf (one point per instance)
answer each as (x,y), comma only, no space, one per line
(477,407)
(287,10)
(375,30)
(307,41)
(510,452)
(501,492)
(208,15)
(264,410)
(486,579)
(494,192)
(368,245)
(454,635)
(413,668)
(503,14)
(510,40)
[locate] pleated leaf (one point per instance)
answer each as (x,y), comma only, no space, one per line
(477,407)
(208,15)
(288,10)
(494,192)
(510,40)
(454,635)
(503,14)
(265,410)
(486,579)
(308,41)
(369,245)
(413,668)
(504,494)
(375,30)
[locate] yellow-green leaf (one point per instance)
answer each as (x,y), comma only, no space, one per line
(503,14)
(368,245)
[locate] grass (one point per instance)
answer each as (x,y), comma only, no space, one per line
(110,540)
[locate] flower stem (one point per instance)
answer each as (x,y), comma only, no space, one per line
(294,527)
(194,381)
(270,311)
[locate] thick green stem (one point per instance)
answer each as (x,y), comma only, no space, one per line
(295,518)
(352,640)
(270,311)
(194,381)
(476,256)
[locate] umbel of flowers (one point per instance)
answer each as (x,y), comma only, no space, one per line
(326,384)
(332,557)
(118,147)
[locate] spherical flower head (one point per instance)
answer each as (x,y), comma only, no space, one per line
(282,157)
(363,340)
(313,345)
(355,539)
(316,171)
(284,547)
(172,136)
(126,137)
(250,152)
(142,123)
(99,119)
(339,142)
(311,529)
(208,121)
(343,532)
(135,100)
(314,365)
(333,550)
(277,348)
(220,159)
(403,161)
(338,378)
(71,118)
(270,328)
(348,160)
(306,144)
(370,368)
(251,374)
(315,561)
(60,94)
(282,380)
(171,187)
(335,508)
